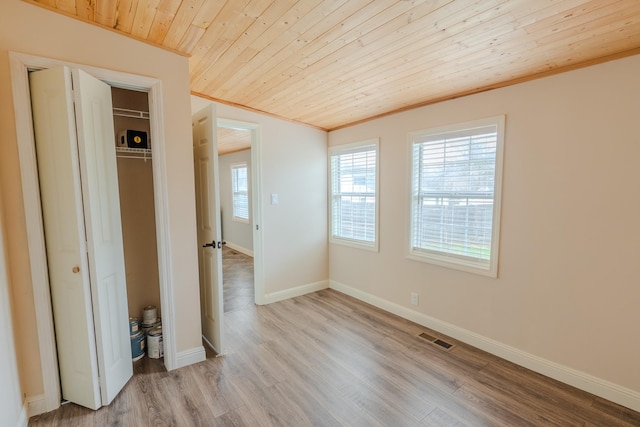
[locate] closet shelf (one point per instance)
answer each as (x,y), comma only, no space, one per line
(133,153)
(124,112)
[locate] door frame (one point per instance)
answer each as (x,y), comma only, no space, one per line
(20,65)
(256,201)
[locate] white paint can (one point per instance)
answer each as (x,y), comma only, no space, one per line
(149,315)
(154,343)
(147,328)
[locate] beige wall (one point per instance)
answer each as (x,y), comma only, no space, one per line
(135,180)
(567,288)
(29,29)
(237,234)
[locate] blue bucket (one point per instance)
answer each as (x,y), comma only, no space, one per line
(134,326)
(137,346)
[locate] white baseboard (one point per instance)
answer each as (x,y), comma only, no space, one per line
(23,420)
(240,249)
(295,292)
(36,405)
(189,357)
(603,388)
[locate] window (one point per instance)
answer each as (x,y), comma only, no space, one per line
(240,192)
(354,190)
(455,195)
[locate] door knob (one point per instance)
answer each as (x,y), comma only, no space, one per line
(209,245)
(75,269)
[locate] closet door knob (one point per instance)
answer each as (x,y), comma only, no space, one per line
(75,269)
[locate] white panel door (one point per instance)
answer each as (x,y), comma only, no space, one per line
(205,160)
(83,234)
(59,173)
(98,169)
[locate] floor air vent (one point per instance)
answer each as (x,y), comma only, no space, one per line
(436,341)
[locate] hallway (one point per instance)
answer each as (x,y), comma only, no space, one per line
(237,279)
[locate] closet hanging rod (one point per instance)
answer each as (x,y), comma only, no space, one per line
(125,112)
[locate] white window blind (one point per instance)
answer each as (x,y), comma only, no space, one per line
(455,195)
(354,190)
(240,191)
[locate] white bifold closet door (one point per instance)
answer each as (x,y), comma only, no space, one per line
(83,233)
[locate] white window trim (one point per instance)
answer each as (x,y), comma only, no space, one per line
(354,243)
(233,213)
(461,264)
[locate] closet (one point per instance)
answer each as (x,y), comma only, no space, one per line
(98,217)
(135,182)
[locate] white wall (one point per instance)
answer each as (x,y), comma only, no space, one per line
(294,166)
(567,288)
(237,234)
(30,29)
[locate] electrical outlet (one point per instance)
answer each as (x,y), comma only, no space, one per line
(414,298)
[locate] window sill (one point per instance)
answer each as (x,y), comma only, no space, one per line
(368,246)
(469,266)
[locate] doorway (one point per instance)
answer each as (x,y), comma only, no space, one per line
(235,178)
(137,208)
(21,65)
(208,213)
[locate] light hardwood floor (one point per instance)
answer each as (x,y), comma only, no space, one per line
(237,280)
(326,359)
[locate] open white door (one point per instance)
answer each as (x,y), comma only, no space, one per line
(81,295)
(98,169)
(205,160)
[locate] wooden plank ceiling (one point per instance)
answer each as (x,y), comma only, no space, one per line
(331,63)
(231,140)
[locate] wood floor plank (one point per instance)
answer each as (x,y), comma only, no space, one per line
(326,359)
(239,417)
(311,362)
(318,379)
(498,413)
(152,395)
(214,386)
(188,403)
(440,418)
(250,394)
(380,407)
(261,364)
(237,280)
(541,394)
(300,407)
(610,413)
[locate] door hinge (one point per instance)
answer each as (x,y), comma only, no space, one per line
(257,227)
